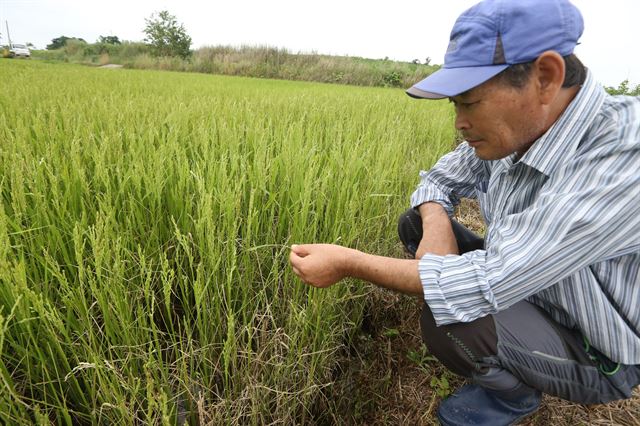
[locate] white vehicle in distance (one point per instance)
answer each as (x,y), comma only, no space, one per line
(17,50)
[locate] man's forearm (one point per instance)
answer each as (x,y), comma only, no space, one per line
(395,274)
(402,274)
(322,265)
(437,233)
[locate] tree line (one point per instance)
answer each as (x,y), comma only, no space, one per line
(165,35)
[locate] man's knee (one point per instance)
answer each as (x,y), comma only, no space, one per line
(461,347)
(410,230)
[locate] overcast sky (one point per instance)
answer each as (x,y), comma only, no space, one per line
(402,30)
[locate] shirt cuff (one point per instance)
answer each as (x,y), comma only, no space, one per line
(455,289)
(426,194)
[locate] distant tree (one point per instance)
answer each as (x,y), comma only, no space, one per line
(60,42)
(415,61)
(624,89)
(77,46)
(167,37)
(427,61)
(30,45)
(57,43)
(109,40)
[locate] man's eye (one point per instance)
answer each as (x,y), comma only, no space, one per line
(464,104)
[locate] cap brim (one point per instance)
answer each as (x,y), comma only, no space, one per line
(448,82)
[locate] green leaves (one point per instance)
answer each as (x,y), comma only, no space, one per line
(167,37)
(439,384)
(624,89)
(391,332)
(421,357)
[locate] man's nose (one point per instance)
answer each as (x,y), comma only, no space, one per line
(461,122)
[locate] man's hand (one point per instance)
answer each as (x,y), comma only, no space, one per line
(319,265)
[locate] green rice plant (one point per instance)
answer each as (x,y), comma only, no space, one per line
(145,225)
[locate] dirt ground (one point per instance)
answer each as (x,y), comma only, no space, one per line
(390,379)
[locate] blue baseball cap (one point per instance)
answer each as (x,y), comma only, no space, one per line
(494,34)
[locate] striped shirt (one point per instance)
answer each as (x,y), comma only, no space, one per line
(563,226)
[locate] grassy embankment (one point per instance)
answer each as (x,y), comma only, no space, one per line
(145,221)
(262,62)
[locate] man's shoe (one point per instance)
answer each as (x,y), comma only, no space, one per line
(478,406)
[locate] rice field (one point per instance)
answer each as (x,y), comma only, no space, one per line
(145,223)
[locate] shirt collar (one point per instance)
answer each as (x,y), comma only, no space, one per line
(561,140)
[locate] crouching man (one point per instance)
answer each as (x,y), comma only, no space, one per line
(547,301)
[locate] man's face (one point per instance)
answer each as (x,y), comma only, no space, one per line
(498,120)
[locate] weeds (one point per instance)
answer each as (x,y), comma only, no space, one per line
(421,357)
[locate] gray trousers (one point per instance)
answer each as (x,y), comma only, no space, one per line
(520,344)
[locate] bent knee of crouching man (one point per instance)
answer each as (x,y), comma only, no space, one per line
(410,230)
(461,347)
(523,344)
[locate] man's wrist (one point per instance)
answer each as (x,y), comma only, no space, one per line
(348,263)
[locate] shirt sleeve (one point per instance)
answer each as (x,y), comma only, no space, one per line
(455,175)
(587,212)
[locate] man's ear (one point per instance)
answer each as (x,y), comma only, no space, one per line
(549,75)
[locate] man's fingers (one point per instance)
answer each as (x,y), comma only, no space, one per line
(296,262)
(300,250)
(295,258)
(299,275)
